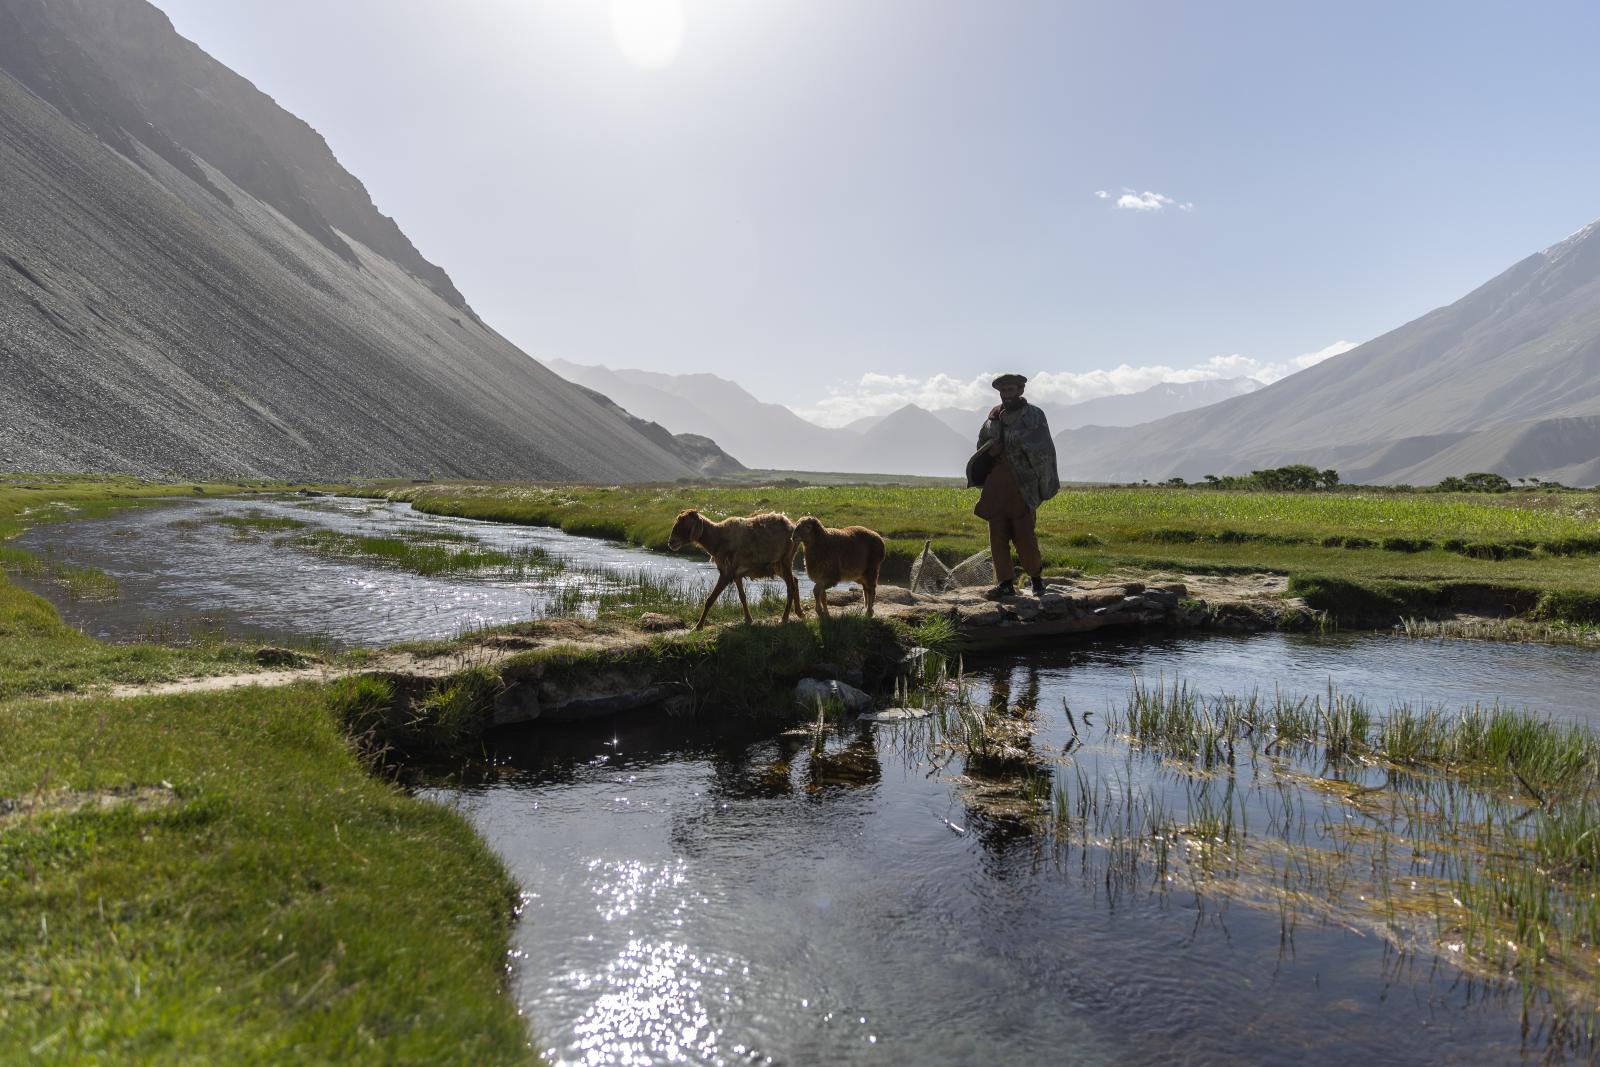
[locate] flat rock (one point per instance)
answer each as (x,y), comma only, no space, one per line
(654,622)
(896,714)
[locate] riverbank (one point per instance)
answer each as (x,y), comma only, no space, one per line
(217,875)
(210,777)
(1368,559)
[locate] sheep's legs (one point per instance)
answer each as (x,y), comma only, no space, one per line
(822,601)
(722,583)
(738,583)
(792,584)
(870,591)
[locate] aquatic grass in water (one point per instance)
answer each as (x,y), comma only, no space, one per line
(81,583)
(426,555)
(1481,841)
(255,521)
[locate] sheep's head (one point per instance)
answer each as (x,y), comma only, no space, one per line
(686,530)
(806,531)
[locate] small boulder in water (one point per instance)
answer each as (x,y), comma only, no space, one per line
(896,714)
(810,691)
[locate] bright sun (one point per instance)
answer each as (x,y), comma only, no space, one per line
(649,32)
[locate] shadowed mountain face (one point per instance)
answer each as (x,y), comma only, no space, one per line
(1506,379)
(191,285)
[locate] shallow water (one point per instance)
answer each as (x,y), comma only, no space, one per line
(707,892)
(722,896)
(181,571)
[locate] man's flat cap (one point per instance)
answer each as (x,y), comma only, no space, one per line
(1008,379)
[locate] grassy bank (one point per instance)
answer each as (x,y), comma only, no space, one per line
(1366,557)
(216,878)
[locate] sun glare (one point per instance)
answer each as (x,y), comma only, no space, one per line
(649,32)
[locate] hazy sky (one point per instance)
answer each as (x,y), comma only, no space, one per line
(843,204)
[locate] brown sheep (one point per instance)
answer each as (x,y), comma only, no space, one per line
(760,546)
(854,553)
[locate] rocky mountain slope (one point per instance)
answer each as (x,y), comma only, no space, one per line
(1506,379)
(190,284)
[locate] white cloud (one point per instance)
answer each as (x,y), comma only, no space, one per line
(880,394)
(1133,200)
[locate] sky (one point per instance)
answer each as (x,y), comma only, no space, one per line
(847,206)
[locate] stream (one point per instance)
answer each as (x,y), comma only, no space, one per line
(720,892)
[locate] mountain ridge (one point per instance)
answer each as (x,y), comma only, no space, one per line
(158,319)
(1520,349)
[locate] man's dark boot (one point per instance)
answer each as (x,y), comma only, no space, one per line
(1001,591)
(1036,584)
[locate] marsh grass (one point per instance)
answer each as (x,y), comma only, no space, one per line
(426,554)
(80,583)
(255,521)
(1367,557)
(1479,841)
(1514,631)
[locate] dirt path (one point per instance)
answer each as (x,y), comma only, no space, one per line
(565,633)
(578,634)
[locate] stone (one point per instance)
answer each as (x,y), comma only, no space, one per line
(895,594)
(654,622)
(1055,604)
(839,598)
(1025,608)
(896,714)
(1162,598)
(270,656)
(810,691)
(984,616)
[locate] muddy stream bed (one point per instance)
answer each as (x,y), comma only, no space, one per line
(705,891)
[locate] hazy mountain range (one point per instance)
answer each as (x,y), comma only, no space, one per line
(1506,379)
(909,440)
(191,284)
(772,437)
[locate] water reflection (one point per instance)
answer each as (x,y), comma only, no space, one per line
(868,900)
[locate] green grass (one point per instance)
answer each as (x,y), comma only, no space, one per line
(283,907)
(216,878)
(1413,553)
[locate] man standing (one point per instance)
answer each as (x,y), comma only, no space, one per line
(1016,465)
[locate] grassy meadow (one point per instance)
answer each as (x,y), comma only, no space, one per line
(1364,555)
(218,877)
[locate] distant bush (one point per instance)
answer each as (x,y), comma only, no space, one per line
(1297,477)
(1477,482)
